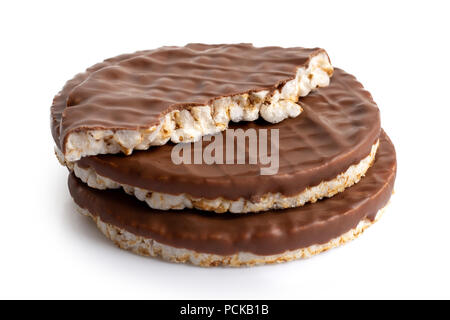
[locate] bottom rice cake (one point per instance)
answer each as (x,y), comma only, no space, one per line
(208,239)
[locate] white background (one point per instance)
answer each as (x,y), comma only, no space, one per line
(399,50)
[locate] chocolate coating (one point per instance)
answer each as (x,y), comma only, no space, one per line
(266,233)
(337,129)
(133,91)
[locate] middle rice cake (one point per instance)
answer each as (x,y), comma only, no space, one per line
(328,148)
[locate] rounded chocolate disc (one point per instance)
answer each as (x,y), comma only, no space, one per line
(135,91)
(266,233)
(337,129)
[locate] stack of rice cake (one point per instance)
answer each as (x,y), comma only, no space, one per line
(116,126)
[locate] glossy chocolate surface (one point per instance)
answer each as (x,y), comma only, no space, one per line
(133,91)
